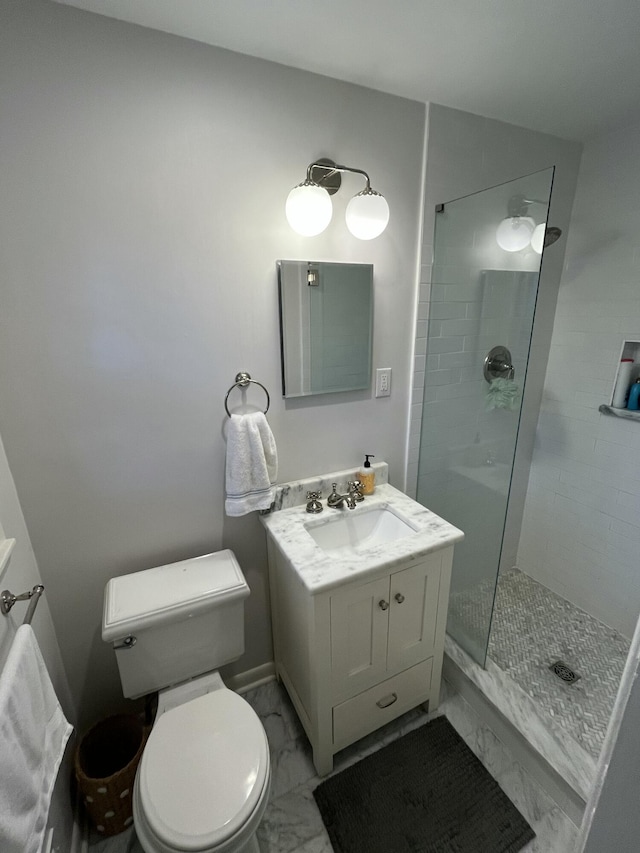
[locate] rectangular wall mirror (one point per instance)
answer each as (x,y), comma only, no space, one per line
(326,326)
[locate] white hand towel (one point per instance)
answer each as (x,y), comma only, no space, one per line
(33,736)
(252,464)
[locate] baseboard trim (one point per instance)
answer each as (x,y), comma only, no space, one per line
(252,678)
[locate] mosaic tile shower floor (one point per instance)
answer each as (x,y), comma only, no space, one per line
(292,821)
(532,628)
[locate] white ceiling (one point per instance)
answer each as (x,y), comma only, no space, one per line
(568,67)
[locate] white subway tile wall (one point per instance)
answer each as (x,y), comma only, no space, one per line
(581,527)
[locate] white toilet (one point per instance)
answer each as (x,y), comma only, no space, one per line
(203,782)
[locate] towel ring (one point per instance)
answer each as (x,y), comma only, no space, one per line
(242,380)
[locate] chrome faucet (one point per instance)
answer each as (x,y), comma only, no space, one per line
(336,501)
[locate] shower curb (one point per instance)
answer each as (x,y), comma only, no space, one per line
(549,740)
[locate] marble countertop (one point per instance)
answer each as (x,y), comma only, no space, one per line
(320,570)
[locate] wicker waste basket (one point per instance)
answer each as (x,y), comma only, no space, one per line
(106,761)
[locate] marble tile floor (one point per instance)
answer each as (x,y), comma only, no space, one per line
(292,821)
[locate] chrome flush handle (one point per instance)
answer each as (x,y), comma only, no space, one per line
(127,643)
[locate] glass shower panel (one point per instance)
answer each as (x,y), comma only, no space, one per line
(480,321)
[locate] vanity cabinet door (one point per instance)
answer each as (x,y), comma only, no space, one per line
(413,613)
(359,628)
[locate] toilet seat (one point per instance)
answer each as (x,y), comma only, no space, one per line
(204,773)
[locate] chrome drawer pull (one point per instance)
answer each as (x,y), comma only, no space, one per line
(399,597)
(387,700)
(383,605)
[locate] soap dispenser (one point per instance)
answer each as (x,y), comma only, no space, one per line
(367,475)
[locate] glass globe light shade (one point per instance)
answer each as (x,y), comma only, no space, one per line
(367,214)
(537,238)
(309,209)
(514,233)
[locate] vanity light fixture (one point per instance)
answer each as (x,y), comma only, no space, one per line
(519,231)
(515,232)
(309,207)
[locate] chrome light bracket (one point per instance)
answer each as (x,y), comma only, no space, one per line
(323,173)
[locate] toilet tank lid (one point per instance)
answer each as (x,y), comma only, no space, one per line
(170,593)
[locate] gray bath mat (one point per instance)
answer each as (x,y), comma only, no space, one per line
(424,793)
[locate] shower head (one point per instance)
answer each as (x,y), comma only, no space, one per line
(551,235)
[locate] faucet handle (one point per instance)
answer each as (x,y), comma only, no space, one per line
(355,488)
(313,502)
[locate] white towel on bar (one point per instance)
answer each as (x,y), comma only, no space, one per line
(33,736)
(252,464)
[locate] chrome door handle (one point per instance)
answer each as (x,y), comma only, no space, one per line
(387,700)
(399,597)
(383,605)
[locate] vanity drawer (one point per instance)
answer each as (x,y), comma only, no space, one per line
(367,711)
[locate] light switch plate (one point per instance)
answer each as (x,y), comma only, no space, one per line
(383,382)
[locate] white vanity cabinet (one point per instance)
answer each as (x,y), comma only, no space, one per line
(357,655)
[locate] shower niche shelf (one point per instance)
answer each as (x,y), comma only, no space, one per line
(630,350)
(619,413)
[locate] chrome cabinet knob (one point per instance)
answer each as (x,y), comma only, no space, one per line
(383,605)
(399,597)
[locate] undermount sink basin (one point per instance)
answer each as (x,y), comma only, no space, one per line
(351,530)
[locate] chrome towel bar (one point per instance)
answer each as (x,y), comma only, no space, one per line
(8,599)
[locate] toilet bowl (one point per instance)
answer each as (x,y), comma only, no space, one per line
(203,781)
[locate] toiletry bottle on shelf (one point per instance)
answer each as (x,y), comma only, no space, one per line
(623,384)
(634,397)
(367,475)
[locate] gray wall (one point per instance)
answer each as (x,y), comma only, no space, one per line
(20,575)
(465,154)
(144,179)
(581,528)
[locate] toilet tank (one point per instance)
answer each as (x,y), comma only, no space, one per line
(174,622)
